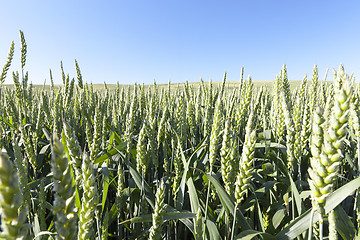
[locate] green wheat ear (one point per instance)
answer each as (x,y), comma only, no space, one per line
(243,179)
(89,200)
(64,204)
(327,142)
(11,200)
(159,210)
(23,50)
(79,76)
(7,64)
(74,150)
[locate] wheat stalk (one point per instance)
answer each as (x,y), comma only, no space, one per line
(155,230)
(64,204)
(326,146)
(88,201)
(243,179)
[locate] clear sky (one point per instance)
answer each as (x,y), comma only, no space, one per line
(142,40)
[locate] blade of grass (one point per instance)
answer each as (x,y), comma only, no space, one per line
(250,234)
(110,153)
(194,200)
(167,217)
(106,182)
(212,229)
(186,164)
(344,225)
(227,202)
(299,204)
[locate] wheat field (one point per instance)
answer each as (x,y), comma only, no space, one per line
(224,160)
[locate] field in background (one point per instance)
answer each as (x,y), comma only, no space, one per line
(269,84)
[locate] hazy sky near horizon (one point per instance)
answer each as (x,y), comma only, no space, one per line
(141,41)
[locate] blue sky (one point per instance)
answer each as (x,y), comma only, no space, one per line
(139,41)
